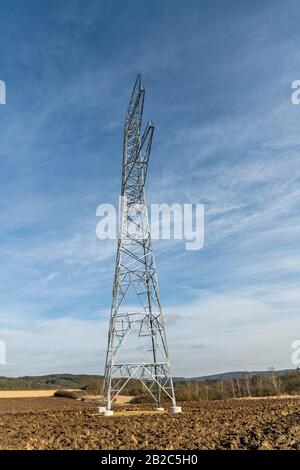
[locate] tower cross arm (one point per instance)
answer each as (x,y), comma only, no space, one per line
(139,165)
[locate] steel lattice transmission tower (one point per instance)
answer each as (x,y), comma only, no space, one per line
(136,319)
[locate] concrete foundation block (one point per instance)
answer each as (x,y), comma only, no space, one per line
(101,409)
(176,409)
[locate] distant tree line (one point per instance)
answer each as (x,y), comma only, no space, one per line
(242,386)
(52,381)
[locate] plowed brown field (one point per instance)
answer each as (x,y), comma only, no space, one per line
(57,423)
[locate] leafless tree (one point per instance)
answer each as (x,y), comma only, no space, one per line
(275,380)
(233,389)
(238,387)
(247,383)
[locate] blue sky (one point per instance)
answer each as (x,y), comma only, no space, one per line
(218,79)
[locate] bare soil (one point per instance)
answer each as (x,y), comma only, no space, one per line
(58,423)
